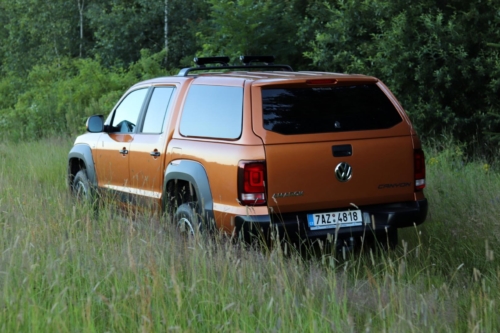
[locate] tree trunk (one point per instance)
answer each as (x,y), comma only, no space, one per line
(81,5)
(166,33)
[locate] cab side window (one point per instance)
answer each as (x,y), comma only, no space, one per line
(213,112)
(158,107)
(126,114)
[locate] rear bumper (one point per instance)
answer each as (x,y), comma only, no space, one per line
(376,219)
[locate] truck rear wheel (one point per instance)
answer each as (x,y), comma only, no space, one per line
(187,220)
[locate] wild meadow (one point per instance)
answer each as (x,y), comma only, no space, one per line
(64,268)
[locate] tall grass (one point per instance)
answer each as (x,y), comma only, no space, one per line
(64,269)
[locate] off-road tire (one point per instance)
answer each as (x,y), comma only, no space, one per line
(187,220)
(82,189)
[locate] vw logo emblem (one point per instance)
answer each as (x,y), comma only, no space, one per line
(343,172)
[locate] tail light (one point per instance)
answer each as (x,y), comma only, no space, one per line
(419,160)
(252,183)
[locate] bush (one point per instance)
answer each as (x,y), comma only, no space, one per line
(57,98)
(440,60)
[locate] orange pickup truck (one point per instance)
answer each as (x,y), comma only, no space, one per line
(257,147)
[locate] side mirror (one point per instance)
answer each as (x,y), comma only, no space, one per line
(95,124)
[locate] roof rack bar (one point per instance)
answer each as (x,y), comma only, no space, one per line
(247,60)
(186,71)
(202,61)
(268,64)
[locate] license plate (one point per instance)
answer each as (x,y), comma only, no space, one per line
(346,218)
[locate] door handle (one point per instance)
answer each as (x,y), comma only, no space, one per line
(342,150)
(155,153)
(124,151)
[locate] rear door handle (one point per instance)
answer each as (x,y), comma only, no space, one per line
(342,150)
(124,151)
(155,153)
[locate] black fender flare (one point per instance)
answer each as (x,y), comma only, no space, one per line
(84,153)
(194,173)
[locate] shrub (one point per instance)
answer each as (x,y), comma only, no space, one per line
(57,98)
(440,59)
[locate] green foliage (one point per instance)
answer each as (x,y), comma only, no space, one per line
(186,20)
(57,98)
(122,28)
(248,27)
(441,59)
(438,59)
(464,201)
(63,267)
(37,31)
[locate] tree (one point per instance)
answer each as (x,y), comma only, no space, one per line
(37,31)
(253,27)
(122,28)
(81,7)
(434,56)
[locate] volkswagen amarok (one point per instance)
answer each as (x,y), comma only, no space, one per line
(258,147)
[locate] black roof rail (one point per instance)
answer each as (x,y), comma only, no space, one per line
(201,62)
(224,64)
(247,60)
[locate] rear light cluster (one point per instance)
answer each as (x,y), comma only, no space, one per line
(419,160)
(252,183)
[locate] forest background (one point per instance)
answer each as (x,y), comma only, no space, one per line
(64,269)
(61,61)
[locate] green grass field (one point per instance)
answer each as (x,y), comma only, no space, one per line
(62,269)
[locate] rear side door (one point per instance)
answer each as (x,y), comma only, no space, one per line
(333,146)
(113,146)
(147,150)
